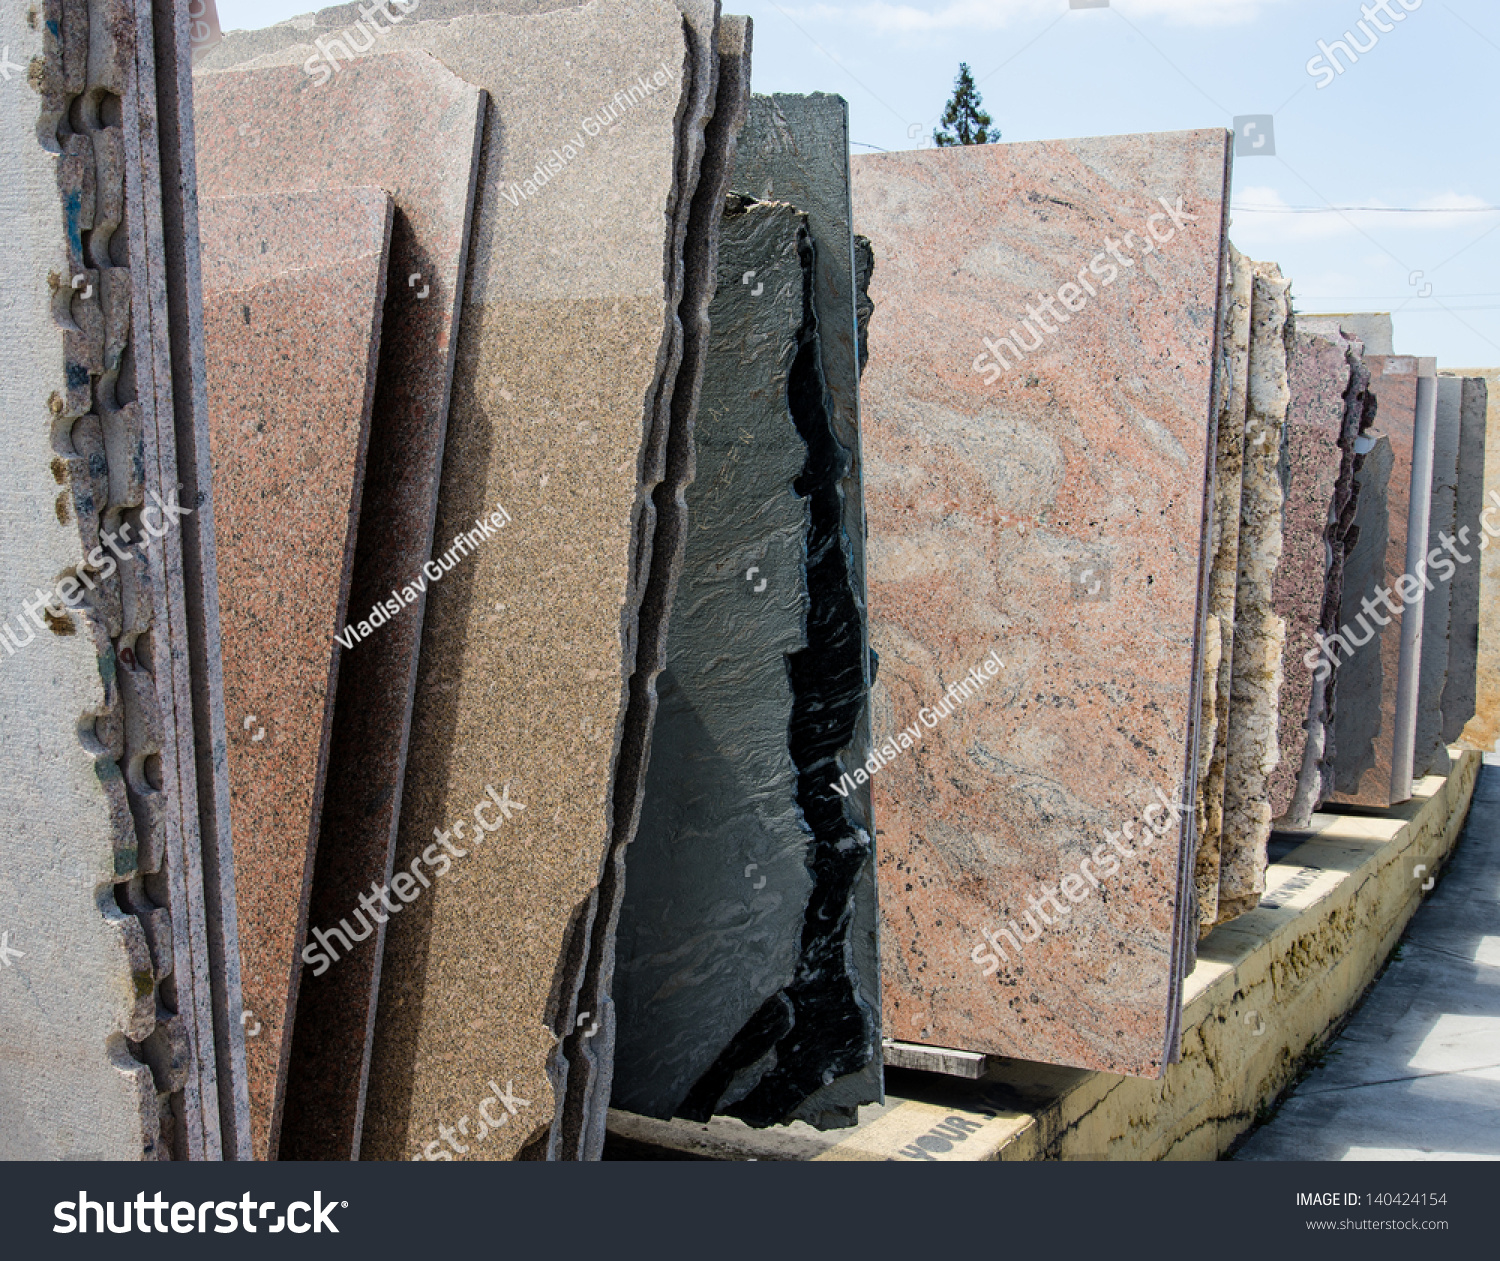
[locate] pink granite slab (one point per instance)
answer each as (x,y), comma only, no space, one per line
(1318,375)
(1393,382)
(293,286)
(1051,514)
(266,129)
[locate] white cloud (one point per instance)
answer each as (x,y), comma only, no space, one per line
(1264,214)
(966,15)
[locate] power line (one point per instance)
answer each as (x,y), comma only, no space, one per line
(1390,210)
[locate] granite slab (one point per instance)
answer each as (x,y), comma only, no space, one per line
(1459,695)
(1315,776)
(1260,632)
(717,876)
(1377,772)
(1318,371)
(294,284)
(1231,383)
(1359,650)
(1429,749)
(1483,730)
(1038,498)
(536,677)
(796,149)
(111,1046)
(274,129)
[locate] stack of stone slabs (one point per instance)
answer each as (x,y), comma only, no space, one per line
(576,376)
(1046,509)
(1460,696)
(294,285)
(273,129)
(117,895)
(1354,648)
(1308,745)
(1377,771)
(1429,748)
(1231,379)
(757,994)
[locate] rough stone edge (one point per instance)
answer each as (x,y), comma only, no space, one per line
(1260,635)
(1229,461)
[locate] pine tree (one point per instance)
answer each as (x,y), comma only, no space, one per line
(964,121)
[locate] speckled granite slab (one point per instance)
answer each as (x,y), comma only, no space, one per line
(294,284)
(1040,501)
(1375,772)
(1318,371)
(1231,384)
(270,129)
(1429,749)
(1260,632)
(113,1042)
(539,653)
(1460,694)
(1314,770)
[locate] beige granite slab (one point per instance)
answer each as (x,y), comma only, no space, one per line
(1260,633)
(294,286)
(1040,501)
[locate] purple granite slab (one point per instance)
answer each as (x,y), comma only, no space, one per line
(1318,375)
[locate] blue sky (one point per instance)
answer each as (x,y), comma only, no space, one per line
(1407,134)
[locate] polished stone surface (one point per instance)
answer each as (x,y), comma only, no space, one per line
(1362,657)
(1318,376)
(1430,750)
(717,876)
(1314,777)
(1050,515)
(273,129)
(294,285)
(1459,695)
(1483,729)
(1372,779)
(796,149)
